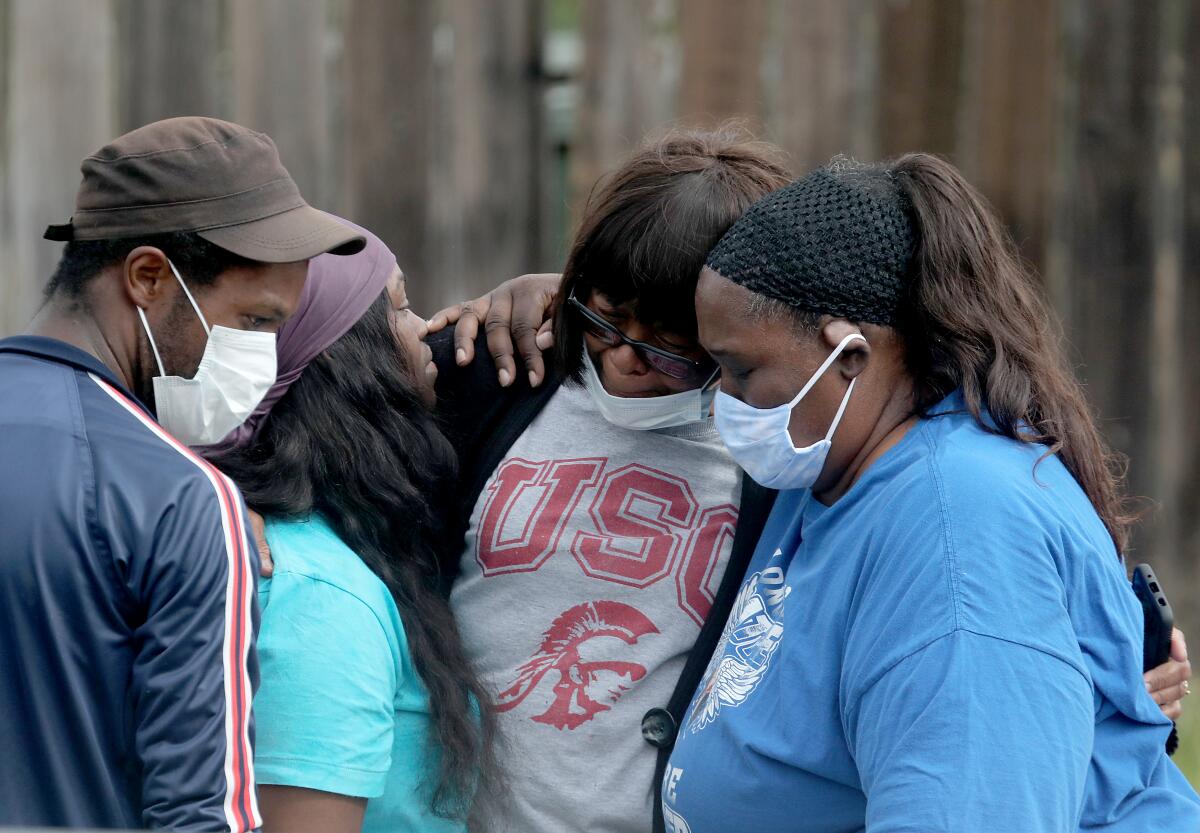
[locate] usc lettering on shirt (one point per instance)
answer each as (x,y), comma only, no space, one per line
(591,560)
(647,525)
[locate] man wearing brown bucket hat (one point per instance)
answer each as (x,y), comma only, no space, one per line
(127,571)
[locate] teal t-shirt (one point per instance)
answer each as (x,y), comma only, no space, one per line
(340,707)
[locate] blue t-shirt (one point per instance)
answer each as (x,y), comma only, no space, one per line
(952,646)
(340,707)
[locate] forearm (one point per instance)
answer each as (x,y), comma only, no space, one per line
(299,810)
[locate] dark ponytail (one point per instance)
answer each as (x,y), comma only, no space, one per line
(976,319)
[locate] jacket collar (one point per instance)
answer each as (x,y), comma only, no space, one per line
(51,349)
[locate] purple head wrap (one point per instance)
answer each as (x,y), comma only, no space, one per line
(338,291)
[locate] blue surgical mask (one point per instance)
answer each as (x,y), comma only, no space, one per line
(759,441)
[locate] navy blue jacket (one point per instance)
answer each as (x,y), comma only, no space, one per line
(127,610)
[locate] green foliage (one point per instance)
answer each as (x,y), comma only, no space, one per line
(1187,757)
(562,14)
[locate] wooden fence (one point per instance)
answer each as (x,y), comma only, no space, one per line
(466,132)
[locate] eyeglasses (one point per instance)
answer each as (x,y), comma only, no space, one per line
(664,361)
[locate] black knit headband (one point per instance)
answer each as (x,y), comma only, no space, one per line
(837,241)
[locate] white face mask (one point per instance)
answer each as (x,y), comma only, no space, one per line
(759,441)
(645,413)
(235,373)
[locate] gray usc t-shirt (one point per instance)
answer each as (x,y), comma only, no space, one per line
(592,557)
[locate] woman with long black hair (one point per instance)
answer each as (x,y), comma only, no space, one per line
(936,631)
(368,716)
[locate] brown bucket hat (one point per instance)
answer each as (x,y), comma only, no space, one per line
(193,174)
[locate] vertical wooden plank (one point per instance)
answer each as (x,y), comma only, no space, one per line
(1109,261)
(59,109)
(280,84)
(1010,113)
(387,100)
(919,75)
(442,205)
(628,86)
(823,101)
(722,53)
(1068,69)
(1110,245)
(1170,444)
(972,78)
(809,112)
(486,221)
(559,63)
(169,51)
(1188,570)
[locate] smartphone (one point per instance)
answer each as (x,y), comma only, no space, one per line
(1157,621)
(1157,618)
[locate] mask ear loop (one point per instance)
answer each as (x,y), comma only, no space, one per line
(153,346)
(845,399)
(188,293)
(837,351)
(841,409)
(711,386)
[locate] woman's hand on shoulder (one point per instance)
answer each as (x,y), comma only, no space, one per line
(1169,683)
(518,310)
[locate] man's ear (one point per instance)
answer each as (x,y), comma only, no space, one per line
(147,277)
(854,357)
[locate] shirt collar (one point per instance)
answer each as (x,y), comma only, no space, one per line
(51,349)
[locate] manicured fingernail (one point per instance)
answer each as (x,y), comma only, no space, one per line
(533,379)
(505,378)
(1148,688)
(460,356)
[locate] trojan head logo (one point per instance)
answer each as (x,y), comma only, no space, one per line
(573,703)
